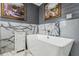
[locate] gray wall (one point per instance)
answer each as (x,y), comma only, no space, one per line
(31,14)
(69,29)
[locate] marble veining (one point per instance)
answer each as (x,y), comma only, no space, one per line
(52,29)
(7,36)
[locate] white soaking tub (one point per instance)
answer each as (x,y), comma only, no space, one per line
(44,45)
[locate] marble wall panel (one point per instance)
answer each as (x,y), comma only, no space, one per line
(50,29)
(7,29)
(7,37)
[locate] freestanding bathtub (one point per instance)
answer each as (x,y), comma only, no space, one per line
(44,45)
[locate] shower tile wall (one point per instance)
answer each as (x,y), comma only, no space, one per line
(50,29)
(7,38)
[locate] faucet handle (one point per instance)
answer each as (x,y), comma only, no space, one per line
(48,30)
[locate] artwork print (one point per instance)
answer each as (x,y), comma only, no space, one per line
(52,10)
(13,10)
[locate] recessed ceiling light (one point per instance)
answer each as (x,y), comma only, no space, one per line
(38,4)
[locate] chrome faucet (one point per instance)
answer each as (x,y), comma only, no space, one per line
(49,33)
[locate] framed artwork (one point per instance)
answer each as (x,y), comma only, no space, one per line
(0,9)
(52,10)
(12,10)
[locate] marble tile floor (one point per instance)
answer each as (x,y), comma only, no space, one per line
(13,53)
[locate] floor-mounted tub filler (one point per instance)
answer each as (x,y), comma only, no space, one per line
(44,45)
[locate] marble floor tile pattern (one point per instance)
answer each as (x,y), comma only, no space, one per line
(13,53)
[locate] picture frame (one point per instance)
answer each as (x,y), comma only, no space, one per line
(52,10)
(12,11)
